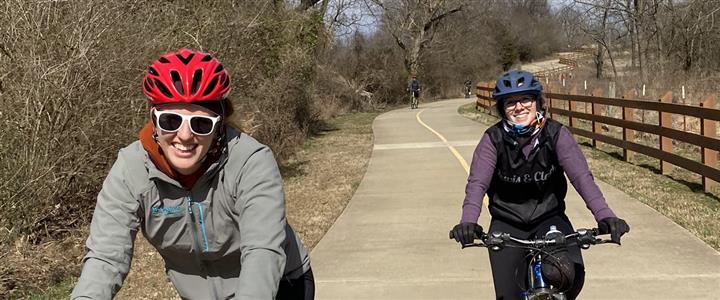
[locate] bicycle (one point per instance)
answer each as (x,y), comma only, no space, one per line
(538,288)
(466,91)
(413,100)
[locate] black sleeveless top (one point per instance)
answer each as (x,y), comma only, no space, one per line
(525,191)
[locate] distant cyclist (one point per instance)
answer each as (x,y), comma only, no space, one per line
(521,163)
(209,198)
(466,88)
(415,87)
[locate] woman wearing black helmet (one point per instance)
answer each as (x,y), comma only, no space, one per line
(520,163)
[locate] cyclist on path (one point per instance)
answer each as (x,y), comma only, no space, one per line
(521,163)
(208,197)
(415,87)
(467,86)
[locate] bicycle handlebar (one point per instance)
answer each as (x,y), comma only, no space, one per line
(498,240)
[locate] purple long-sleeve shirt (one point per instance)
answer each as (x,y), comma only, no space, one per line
(571,160)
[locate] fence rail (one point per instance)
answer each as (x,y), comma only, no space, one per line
(566,104)
(549,72)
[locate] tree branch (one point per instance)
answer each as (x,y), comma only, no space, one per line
(307,4)
(430,24)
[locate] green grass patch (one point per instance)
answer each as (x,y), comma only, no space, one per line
(470,111)
(678,195)
(61,290)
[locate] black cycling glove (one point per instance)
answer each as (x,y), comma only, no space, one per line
(465,233)
(616,227)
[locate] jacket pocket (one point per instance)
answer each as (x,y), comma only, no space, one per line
(166,225)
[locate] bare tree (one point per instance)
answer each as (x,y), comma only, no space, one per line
(600,20)
(344,17)
(413,24)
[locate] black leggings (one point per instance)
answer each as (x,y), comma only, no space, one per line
(301,288)
(509,265)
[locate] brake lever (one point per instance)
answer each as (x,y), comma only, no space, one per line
(495,240)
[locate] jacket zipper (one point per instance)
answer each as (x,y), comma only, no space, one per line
(202,226)
(201,217)
(205,265)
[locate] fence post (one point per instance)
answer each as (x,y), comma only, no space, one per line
(573,106)
(488,103)
(549,106)
(481,93)
(597,110)
(492,105)
(628,114)
(665,143)
(709,157)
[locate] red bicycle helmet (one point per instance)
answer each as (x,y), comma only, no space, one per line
(186,76)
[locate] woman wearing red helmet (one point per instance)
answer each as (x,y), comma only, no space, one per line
(208,198)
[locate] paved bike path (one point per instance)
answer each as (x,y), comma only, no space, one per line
(391,242)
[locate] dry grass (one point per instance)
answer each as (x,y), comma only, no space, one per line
(69,84)
(50,261)
(321,178)
(678,196)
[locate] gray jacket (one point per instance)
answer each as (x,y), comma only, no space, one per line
(226,238)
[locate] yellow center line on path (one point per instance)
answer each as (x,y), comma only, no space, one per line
(454,151)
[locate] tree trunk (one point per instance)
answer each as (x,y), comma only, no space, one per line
(638,12)
(600,56)
(659,57)
(599,61)
(632,32)
(413,54)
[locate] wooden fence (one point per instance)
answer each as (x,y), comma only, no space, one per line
(574,108)
(549,72)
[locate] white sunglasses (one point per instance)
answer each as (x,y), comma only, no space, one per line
(171,122)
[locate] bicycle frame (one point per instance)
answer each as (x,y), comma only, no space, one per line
(539,290)
(413,100)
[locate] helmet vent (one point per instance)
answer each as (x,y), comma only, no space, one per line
(507,83)
(206,58)
(218,69)
(210,86)
(177,82)
(147,85)
(185,60)
(197,77)
(225,82)
(163,89)
(521,81)
(152,71)
(164,60)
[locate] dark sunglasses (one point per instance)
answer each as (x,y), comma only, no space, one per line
(171,122)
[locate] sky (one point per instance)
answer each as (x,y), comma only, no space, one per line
(358,14)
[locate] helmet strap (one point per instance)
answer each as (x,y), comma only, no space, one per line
(525,130)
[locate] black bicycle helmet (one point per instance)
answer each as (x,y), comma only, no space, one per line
(516,82)
(558,269)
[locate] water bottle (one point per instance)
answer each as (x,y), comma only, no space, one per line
(556,235)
